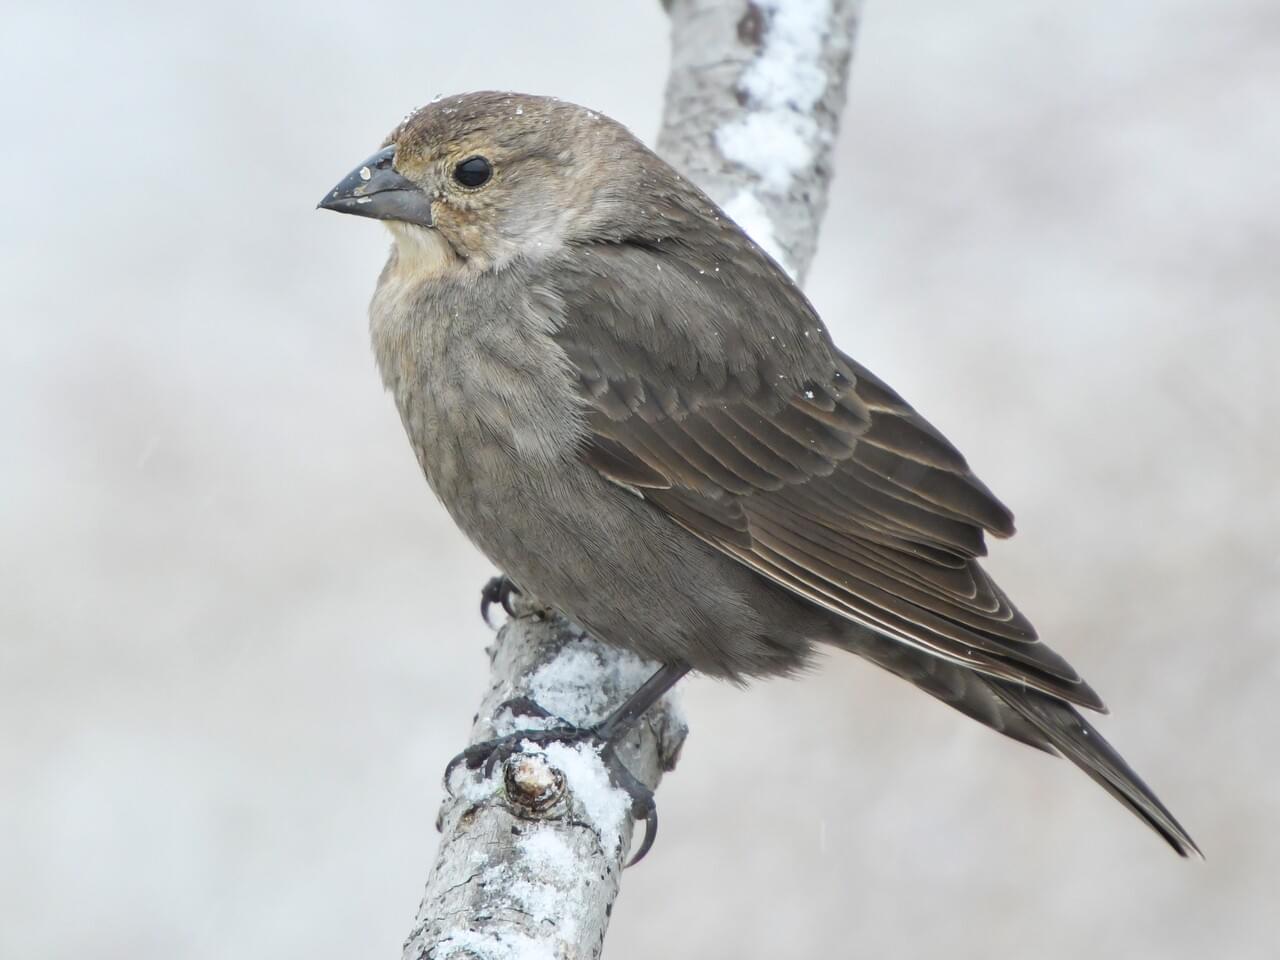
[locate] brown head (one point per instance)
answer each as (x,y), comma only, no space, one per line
(495,176)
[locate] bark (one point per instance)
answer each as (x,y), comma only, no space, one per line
(531,856)
(753,104)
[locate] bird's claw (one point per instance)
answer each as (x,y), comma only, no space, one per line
(528,707)
(487,755)
(643,805)
(499,589)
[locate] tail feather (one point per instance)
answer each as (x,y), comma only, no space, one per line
(1076,739)
(957,686)
(1026,715)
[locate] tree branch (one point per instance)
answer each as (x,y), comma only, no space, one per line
(531,856)
(754,100)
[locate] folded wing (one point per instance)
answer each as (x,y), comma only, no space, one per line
(712,390)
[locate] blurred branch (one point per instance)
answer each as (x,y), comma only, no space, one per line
(753,105)
(531,856)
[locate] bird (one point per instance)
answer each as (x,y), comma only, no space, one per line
(636,414)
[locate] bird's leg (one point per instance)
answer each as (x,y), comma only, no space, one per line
(604,736)
(498,590)
(615,726)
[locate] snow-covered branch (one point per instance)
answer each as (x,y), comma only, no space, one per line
(531,856)
(754,100)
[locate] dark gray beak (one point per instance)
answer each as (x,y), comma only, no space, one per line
(374,189)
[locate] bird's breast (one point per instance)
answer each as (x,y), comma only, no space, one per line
(486,395)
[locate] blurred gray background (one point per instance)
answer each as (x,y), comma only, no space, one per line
(239,638)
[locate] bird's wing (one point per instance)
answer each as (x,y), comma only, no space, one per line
(713,390)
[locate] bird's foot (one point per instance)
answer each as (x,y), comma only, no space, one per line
(487,755)
(499,589)
(518,603)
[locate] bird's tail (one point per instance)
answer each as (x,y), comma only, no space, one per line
(1076,739)
(1030,716)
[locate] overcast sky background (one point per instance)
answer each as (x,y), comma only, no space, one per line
(239,638)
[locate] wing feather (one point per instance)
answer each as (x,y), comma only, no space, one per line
(772,446)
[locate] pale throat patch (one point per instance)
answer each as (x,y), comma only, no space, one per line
(420,251)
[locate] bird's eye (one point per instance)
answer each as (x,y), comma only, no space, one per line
(473,172)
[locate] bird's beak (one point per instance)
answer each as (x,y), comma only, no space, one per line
(374,189)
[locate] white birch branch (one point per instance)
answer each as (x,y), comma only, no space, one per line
(754,100)
(531,857)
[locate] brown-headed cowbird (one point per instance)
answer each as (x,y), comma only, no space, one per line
(637,415)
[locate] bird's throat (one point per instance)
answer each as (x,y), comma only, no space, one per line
(421,252)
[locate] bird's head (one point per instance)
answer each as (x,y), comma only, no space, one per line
(490,177)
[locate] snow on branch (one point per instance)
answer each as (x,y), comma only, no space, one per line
(753,105)
(531,855)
